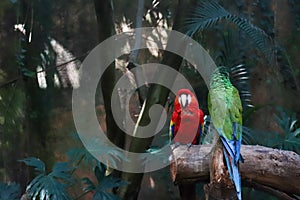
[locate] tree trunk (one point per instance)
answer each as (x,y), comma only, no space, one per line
(286,36)
(139,73)
(277,169)
(38,102)
(105,21)
(157,95)
(277,84)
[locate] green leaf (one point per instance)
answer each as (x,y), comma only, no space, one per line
(287,140)
(109,182)
(105,196)
(296,132)
(10,191)
(100,172)
(90,185)
(46,187)
(77,155)
(99,147)
(51,186)
(28,73)
(104,183)
(62,170)
(38,165)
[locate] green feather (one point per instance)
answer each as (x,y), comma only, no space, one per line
(224,104)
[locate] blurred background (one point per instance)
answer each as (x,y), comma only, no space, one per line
(44,42)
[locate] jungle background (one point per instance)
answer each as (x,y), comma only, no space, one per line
(43,43)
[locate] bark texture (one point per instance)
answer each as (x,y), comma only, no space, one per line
(275,168)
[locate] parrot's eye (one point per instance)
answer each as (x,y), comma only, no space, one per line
(185,100)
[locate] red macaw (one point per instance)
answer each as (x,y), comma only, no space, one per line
(188,117)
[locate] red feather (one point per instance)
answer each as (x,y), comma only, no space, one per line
(188,120)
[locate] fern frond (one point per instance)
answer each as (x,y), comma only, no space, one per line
(239,77)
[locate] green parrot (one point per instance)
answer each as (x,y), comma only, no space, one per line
(225,108)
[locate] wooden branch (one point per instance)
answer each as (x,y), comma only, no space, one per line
(275,168)
(274,192)
(15,79)
(220,185)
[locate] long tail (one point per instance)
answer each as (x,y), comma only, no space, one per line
(232,164)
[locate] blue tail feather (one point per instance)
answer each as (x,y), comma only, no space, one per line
(228,165)
(232,149)
(234,174)
(237,142)
(232,156)
(237,180)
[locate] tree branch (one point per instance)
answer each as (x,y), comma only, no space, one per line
(105,22)
(13,80)
(274,192)
(277,169)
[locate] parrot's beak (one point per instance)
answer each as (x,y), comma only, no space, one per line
(185,100)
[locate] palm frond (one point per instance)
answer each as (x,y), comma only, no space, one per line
(228,54)
(208,13)
(239,77)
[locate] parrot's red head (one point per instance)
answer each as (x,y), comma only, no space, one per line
(186,102)
(188,116)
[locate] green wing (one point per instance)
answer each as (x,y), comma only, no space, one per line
(225,108)
(236,111)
